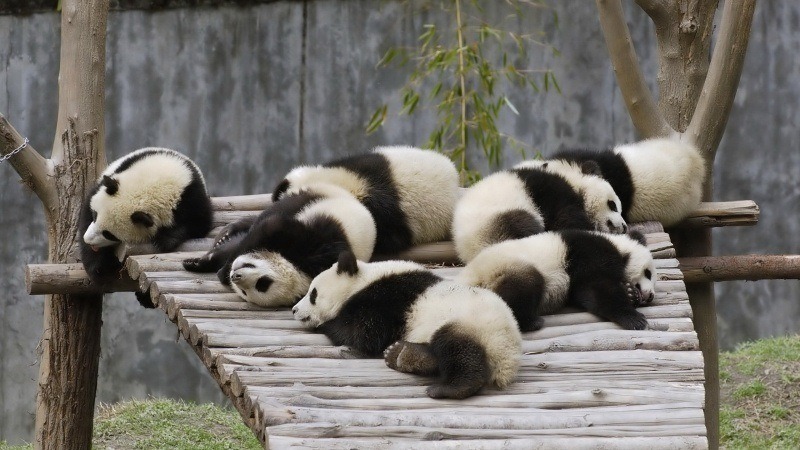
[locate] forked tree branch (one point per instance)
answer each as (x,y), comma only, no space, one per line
(654,8)
(35,170)
(722,81)
(646,117)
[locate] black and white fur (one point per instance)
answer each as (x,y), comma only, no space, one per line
(152,195)
(270,260)
(656,179)
(531,199)
(420,322)
(608,275)
(410,192)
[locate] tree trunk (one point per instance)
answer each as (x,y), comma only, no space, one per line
(71,337)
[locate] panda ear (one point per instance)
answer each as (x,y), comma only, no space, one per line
(637,236)
(111,185)
(142,218)
(282,187)
(591,168)
(347,263)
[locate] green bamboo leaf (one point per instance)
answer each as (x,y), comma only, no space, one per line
(377,119)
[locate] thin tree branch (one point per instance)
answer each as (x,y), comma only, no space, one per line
(654,8)
(719,89)
(646,117)
(35,170)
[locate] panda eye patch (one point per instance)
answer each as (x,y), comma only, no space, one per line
(248,266)
(110,236)
(647,273)
(612,206)
(313,296)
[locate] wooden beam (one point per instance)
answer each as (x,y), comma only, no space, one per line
(70,278)
(740,267)
(722,214)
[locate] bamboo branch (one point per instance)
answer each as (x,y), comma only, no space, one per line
(35,170)
(740,267)
(722,81)
(646,117)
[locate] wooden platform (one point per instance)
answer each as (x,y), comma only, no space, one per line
(583,383)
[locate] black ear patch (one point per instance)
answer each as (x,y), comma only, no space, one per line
(347,263)
(111,185)
(637,236)
(263,283)
(142,218)
(591,168)
(280,189)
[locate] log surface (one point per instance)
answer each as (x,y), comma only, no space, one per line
(583,382)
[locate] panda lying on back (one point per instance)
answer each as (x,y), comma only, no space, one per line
(656,179)
(409,192)
(427,326)
(608,275)
(270,260)
(530,199)
(153,195)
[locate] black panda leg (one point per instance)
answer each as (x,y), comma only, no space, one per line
(611,301)
(572,218)
(522,291)
(411,357)
(463,366)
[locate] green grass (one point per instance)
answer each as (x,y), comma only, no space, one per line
(760,395)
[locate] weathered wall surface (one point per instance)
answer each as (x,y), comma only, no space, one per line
(232,88)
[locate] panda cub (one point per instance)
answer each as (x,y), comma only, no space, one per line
(656,179)
(152,195)
(410,192)
(608,275)
(530,199)
(422,323)
(270,260)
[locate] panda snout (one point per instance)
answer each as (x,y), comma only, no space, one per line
(236,277)
(624,228)
(294,310)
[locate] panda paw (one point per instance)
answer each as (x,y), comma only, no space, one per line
(536,323)
(200,264)
(632,321)
(410,357)
(634,295)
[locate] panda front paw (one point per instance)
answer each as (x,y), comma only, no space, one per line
(634,295)
(632,321)
(201,264)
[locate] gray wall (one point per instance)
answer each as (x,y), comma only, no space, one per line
(228,87)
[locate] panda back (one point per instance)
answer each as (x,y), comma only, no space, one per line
(351,219)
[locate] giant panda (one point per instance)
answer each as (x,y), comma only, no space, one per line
(152,195)
(530,199)
(409,191)
(656,179)
(422,323)
(608,275)
(270,260)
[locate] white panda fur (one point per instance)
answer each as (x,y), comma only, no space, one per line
(287,281)
(659,179)
(607,274)
(405,307)
(419,187)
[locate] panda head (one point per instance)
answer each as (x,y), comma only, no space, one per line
(329,291)
(602,205)
(640,268)
(117,216)
(266,278)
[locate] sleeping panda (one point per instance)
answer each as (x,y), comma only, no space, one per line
(656,179)
(530,199)
(270,260)
(410,192)
(152,195)
(422,323)
(608,275)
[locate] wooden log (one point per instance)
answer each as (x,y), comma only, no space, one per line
(614,340)
(211,354)
(576,443)
(71,278)
(255,202)
(722,214)
(740,267)
(492,418)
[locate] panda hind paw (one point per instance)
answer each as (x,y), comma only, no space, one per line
(634,295)
(410,357)
(633,321)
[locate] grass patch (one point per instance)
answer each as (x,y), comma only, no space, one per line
(760,395)
(4,446)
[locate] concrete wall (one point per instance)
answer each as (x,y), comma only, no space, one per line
(231,88)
